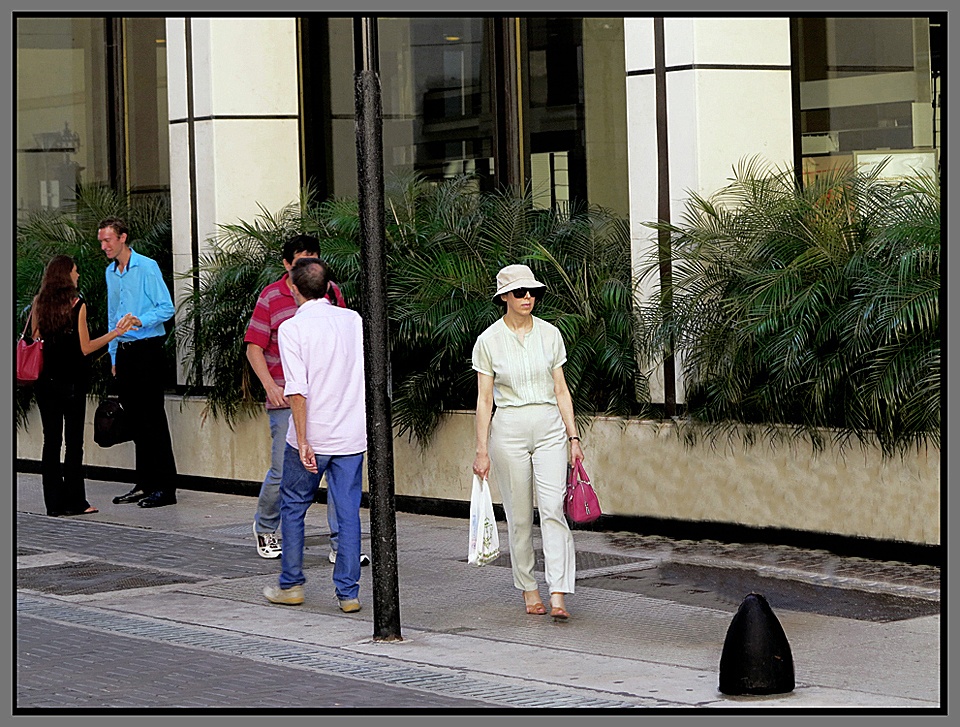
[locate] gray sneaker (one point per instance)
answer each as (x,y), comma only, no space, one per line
(292,596)
(268,546)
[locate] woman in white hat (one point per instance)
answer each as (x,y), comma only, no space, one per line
(526,447)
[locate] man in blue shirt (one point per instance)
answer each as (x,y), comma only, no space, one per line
(134,285)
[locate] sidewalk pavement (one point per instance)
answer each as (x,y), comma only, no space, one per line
(109,604)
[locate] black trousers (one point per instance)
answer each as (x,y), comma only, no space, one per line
(140,387)
(62,407)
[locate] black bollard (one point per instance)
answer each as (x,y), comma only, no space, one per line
(756,657)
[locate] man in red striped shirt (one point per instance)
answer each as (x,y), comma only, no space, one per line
(275,305)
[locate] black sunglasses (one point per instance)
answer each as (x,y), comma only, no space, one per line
(522,292)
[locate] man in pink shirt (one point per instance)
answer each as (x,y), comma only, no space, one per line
(321,349)
(275,305)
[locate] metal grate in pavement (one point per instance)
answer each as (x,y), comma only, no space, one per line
(242,530)
(922,580)
(453,682)
(76,578)
(145,548)
(725,587)
(589,565)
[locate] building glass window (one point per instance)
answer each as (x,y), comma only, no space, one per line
(446,98)
(76,123)
(145,102)
(867,88)
(554,115)
(61,128)
(434,95)
(575,116)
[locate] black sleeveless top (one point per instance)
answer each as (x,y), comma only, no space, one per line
(63,360)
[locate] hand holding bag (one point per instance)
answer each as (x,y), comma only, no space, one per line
(580,503)
(484,538)
(29,358)
(110,424)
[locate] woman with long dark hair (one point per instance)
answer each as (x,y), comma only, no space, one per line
(59,318)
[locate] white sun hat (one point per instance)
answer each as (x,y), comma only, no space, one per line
(513,277)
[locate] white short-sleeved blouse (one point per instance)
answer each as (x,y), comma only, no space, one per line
(522,372)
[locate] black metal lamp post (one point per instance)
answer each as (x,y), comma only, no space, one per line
(383,520)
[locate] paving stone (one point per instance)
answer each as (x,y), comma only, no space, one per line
(177,676)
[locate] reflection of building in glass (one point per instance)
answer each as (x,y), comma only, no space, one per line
(224,115)
(865,84)
(51,161)
(91,108)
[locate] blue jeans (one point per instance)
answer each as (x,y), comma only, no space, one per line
(331,514)
(298,487)
(268,504)
(267,518)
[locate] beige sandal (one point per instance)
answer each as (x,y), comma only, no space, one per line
(534,608)
(558,612)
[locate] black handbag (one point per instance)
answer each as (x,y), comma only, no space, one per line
(110,424)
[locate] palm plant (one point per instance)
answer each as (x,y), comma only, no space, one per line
(813,306)
(73,231)
(242,259)
(448,242)
(445,244)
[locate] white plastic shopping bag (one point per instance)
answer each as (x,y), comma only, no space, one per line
(484,539)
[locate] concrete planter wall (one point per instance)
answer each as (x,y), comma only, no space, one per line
(638,468)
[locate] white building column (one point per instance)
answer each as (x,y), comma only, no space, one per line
(728,96)
(234,127)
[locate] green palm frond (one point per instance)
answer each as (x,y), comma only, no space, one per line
(73,231)
(445,243)
(808,306)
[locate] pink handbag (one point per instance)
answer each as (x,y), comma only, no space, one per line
(29,358)
(580,503)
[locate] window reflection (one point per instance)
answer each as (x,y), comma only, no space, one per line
(145,93)
(866,84)
(67,109)
(434,93)
(61,131)
(438,82)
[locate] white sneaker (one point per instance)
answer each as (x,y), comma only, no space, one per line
(268,546)
(364,559)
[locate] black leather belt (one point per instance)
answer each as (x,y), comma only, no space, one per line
(129,344)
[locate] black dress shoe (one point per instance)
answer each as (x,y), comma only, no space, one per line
(135,494)
(158,499)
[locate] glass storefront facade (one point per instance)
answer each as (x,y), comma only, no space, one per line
(435,88)
(62,134)
(867,90)
(91,108)
(536,102)
(457,97)
(147,160)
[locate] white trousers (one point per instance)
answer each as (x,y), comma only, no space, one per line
(528,453)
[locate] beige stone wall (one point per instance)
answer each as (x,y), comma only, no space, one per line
(639,468)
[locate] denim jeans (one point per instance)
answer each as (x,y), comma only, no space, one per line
(267,518)
(331,515)
(298,487)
